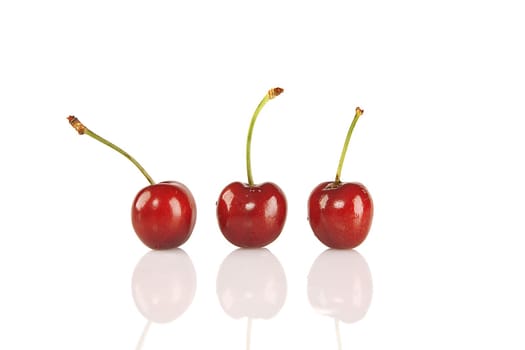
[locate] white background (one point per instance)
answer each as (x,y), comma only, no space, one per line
(440,147)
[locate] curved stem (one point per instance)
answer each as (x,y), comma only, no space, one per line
(358,113)
(272,93)
(81,129)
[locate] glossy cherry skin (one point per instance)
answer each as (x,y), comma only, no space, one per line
(340,215)
(251,216)
(164,214)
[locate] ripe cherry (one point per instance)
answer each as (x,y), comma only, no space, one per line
(340,213)
(250,215)
(163,214)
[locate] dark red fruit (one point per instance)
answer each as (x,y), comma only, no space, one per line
(164,214)
(251,216)
(340,215)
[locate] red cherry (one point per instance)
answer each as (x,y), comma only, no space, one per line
(163,214)
(250,215)
(340,213)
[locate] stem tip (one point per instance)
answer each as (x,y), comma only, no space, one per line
(359,111)
(272,93)
(76,124)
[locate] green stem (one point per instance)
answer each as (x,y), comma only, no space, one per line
(358,113)
(84,130)
(269,95)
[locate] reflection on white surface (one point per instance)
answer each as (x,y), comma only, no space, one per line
(251,283)
(163,285)
(340,285)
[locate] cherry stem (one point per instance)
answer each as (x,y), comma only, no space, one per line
(358,113)
(272,93)
(81,129)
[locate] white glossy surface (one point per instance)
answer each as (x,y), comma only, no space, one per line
(439,147)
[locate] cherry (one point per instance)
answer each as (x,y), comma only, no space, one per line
(252,215)
(163,214)
(340,213)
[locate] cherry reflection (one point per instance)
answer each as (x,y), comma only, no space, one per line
(163,286)
(340,286)
(251,284)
